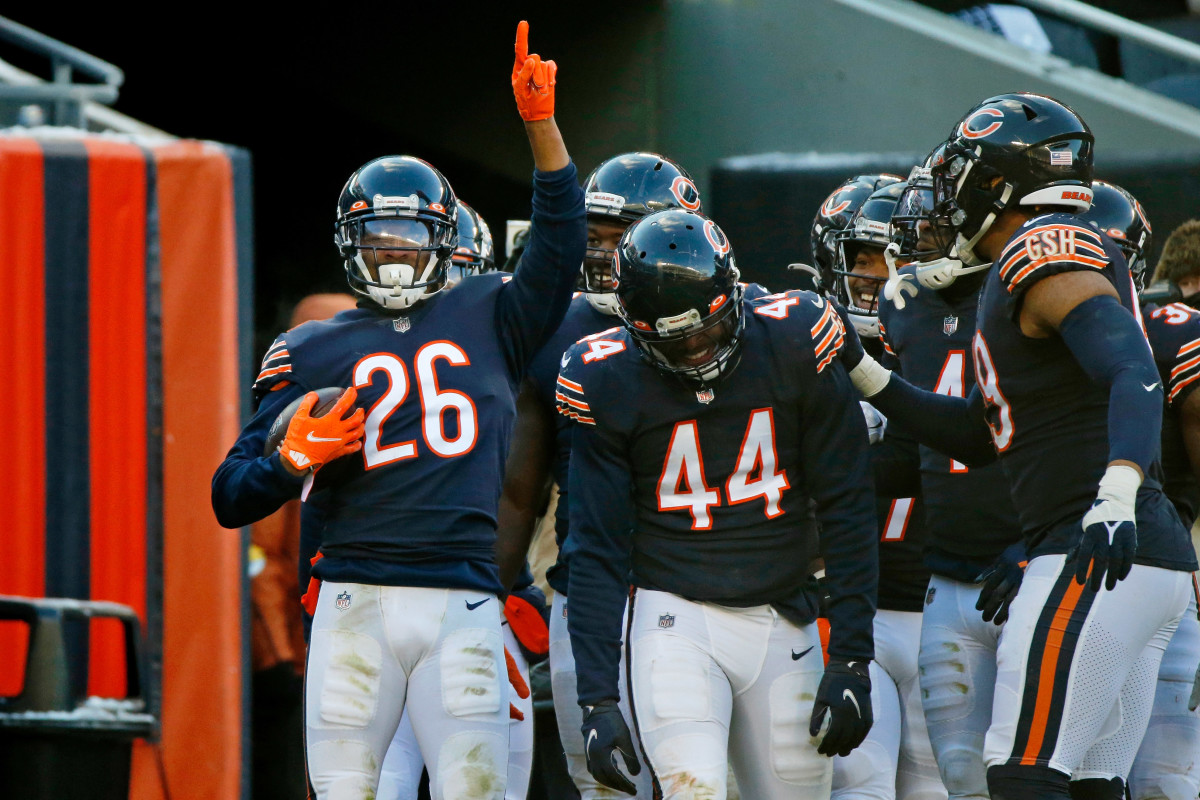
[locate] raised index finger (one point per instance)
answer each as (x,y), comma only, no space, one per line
(522,45)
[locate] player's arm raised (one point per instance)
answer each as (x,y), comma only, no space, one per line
(532,305)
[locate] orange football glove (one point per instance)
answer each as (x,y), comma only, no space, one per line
(314,441)
(527,625)
(514,676)
(532,79)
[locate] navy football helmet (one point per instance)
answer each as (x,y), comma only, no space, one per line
(834,215)
(475,253)
(621,191)
(1118,214)
(1010,150)
(396,229)
(859,286)
(678,295)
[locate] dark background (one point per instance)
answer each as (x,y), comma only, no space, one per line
(314,96)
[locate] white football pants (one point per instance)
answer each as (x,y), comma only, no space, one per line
(1167,766)
(712,684)
(376,650)
(403,764)
(1076,670)
(958,677)
(569,715)
(895,760)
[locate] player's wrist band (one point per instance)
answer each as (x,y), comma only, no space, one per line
(869,376)
(1120,485)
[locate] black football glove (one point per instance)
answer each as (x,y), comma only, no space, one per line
(604,736)
(1000,584)
(1109,540)
(845,695)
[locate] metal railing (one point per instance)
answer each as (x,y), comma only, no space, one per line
(71,102)
(1122,27)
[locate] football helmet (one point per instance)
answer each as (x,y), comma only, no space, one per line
(1118,214)
(620,191)
(868,233)
(834,215)
(912,235)
(1010,150)
(396,228)
(475,253)
(678,295)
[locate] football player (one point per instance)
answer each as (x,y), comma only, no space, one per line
(1166,765)
(896,759)
(704,425)
(1058,355)
(475,252)
(407,615)
(620,191)
(972,525)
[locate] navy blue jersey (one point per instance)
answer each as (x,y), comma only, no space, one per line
(969,512)
(417,506)
(705,493)
(1049,421)
(903,576)
(582,320)
(1174,334)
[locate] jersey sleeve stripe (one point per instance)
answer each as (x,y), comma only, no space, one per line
(1184,366)
(562,398)
(567,412)
(571,385)
(1032,267)
(1187,348)
(829,337)
(1178,386)
(266,373)
(275,355)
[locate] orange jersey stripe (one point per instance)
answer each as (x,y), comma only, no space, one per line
(575,387)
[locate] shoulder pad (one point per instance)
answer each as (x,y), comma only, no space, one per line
(812,312)
(1046,246)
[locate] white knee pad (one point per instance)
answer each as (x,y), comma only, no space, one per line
(963,773)
(343,769)
(472,766)
(691,766)
(350,690)
(794,757)
(470,680)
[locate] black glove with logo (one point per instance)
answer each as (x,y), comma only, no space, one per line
(604,736)
(845,695)
(1000,584)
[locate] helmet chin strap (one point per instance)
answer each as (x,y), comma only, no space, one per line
(604,302)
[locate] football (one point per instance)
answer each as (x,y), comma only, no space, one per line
(326,399)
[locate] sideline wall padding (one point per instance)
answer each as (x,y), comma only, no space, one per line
(122,343)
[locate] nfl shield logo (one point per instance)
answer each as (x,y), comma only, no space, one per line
(343,601)
(705,395)
(401,324)
(929,596)
(666,621)
(950,325)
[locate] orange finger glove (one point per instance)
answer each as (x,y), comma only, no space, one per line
(532,79)
(314,441)
(514,676)
(527,625)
